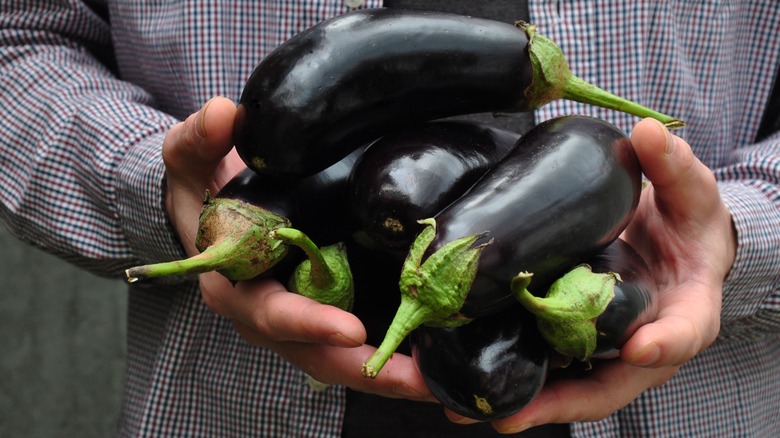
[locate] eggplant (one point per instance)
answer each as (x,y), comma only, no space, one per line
(359,76)
(565,191)
(237,232)
(488,369)
(413,173)
(316,204)
(592,310)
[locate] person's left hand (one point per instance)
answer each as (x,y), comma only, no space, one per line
(684,231)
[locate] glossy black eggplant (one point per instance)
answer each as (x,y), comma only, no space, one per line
(364,74)
(413,173)
(235,232)
(565,191)
(592,310)
(488,369)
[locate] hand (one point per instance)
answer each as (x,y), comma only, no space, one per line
(324,341)
(684,232)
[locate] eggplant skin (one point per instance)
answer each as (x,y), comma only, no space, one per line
(358,76)
(487,369)
(565,191)
(315,205)
(413,173)
(636,297)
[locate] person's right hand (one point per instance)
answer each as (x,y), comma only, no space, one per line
(323,341)
(684,232)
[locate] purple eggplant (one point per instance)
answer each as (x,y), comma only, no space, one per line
(565,191)
(592,310)
(413,173)
(487,369)
(357,77)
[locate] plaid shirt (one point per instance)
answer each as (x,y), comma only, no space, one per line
(88,90)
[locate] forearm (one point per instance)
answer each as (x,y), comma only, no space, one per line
(81,166)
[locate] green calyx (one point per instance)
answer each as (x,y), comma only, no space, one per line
(552,80)
(567,315)
(234,240)
(432,291)
(325,276)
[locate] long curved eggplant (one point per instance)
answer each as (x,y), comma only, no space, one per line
(592,310)
(487,369)
(356,77)
(236,232)
(565,191)
(413,173)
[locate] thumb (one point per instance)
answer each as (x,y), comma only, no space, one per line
(198,155)
(678,177)
(683,230)
(194,149)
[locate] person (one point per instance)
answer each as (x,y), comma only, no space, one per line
(108,147)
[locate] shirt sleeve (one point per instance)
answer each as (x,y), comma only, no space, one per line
(80,162)
(751,189)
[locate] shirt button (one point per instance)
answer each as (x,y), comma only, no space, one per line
(354,3)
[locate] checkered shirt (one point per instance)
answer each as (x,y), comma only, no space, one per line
(89,89)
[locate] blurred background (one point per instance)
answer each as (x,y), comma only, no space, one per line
(62,346)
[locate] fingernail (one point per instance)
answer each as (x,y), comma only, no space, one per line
(516,429)
(200,121)
(340,340)
(670,141)
(645,356)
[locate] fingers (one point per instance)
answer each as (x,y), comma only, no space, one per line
(399,377)
(688,321)
(608,388)
(265,312)
(323,341)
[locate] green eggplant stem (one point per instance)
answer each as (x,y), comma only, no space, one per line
(214,258)
(432,291)
(325,276)
(411,314)
(233,239)
(520,291)
(554,80)
(321,274)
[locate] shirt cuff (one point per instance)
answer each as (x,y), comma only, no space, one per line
(753,276)
(141,203)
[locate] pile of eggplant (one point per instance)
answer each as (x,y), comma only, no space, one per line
(504,248)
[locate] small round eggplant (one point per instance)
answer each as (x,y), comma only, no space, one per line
(361,75)
(414,173)
(592,310)
(488,369)
(565,191)
(236,227)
